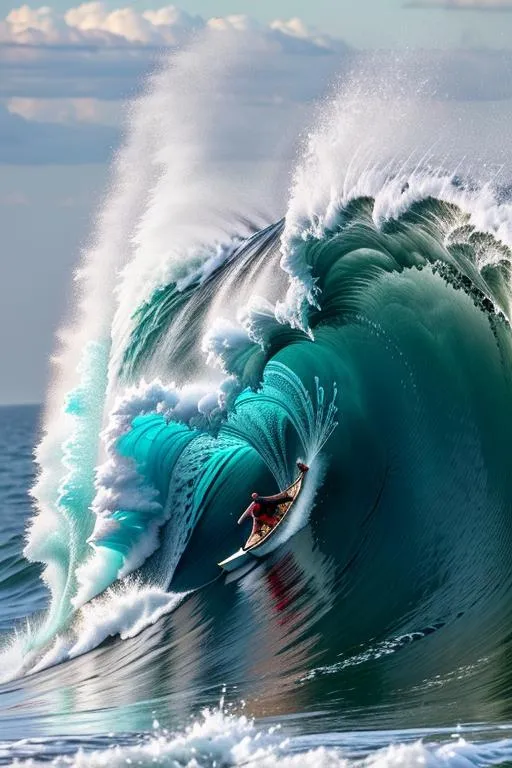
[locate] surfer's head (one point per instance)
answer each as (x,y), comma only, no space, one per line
(254,495)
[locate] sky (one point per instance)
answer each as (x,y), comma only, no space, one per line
(67,70)
(368,23)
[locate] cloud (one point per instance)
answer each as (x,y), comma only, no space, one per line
(93,52)
(25,142)
(296,29)
(64,75)
(462,5)
(93,24)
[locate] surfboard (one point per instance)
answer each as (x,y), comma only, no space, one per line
(253,547)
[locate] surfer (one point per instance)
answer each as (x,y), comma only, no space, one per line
(267,513)
(263,508)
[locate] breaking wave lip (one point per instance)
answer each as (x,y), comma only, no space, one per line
(222,738)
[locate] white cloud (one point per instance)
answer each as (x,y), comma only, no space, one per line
(167,25)
(64,75)
(296,28)
(236,22)
(30,25)
(462,5)
(93,52)
(92,23)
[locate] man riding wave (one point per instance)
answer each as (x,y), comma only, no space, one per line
(263,508)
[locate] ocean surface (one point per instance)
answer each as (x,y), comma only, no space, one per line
(363,327)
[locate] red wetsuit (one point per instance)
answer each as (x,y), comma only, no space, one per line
(263,510)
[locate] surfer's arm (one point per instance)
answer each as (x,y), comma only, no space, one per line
(278,498)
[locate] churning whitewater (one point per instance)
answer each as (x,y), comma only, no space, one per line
(362,327)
